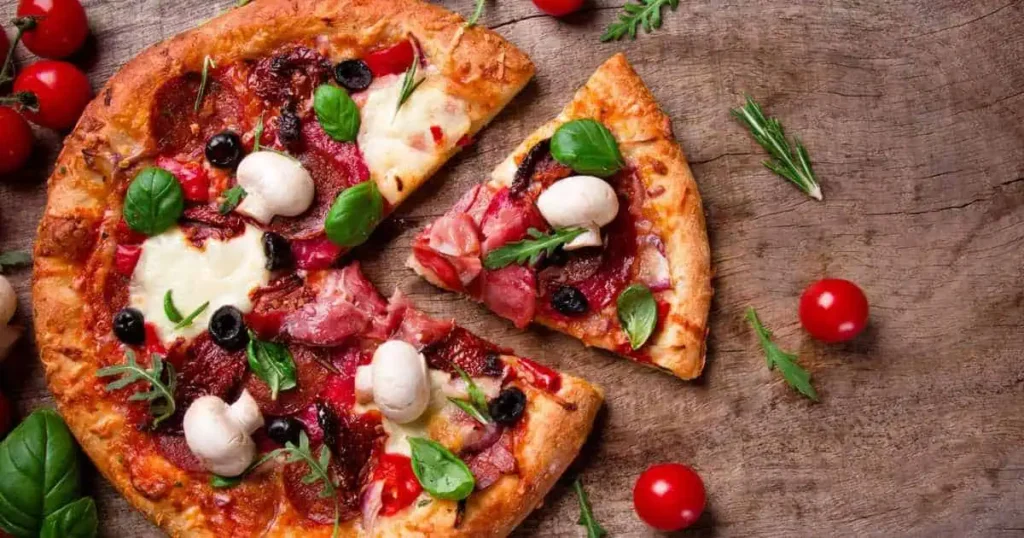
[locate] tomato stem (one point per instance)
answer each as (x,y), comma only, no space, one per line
(23,24)
(26,100)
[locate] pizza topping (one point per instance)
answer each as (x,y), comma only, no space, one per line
(569,301)
(289,126)
(220,435)
(638,314)
(312,254)
(273,363)
(311,377)
(653,269)
(160,393)
(277,251)
(284,430)
(580,201)
(153,202)
(291,75)
(496,460)
(344,304)
(539,375)
(409,84)
(130,326)
(442,474)
(227,329)
(511,293)
(467,351)
(195,183)
(399,484)
(354,215)
(588,147)
(224,150)
(508,219)
(353,75)
(400,384)
(336,112)
(508,407)
(392,60)
(274,184)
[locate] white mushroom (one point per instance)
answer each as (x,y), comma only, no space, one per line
(364,384)
(274,184)
(8,304)
(585,201)
(401,385)
(220,435)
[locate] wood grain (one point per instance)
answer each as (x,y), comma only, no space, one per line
(912,112)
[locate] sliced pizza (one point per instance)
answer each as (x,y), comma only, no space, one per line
(593,227)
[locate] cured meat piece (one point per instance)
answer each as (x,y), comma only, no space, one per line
(496,460)
(511,293)
(507,219)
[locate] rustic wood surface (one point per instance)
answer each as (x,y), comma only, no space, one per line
(912,112)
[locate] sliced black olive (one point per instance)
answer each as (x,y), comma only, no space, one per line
(130,327)
(328,421)
(508,406)
(284,430)
(228,329)
(224,150)
(569,301)
(278,251)
(353,75)
(524,174)
(289,129)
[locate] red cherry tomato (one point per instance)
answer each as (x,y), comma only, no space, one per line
(391,60)
(60,27)
(558,8)
(669,496)
(5,415)
(15,140)
(62,91)
(833,310)
(400,484)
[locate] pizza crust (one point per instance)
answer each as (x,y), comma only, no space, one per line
(616,96)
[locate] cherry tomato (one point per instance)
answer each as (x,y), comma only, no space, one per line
(15,140)
(62,91)
(669,496)
(5,415)
(558,8)
(60,27)
(833,310)
(400,484)
(391,60)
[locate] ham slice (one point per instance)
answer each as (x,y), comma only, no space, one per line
(508,219)
(496,460)
(511,293)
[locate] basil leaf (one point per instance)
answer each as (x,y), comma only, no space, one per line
(232,197)
(354,214)
(75,520)
(336,112)
(587,147)
(225,482)
(442,474)
(154,201)
(638,314)
(38,473)
(272,363)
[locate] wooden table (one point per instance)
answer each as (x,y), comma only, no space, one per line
(912,113)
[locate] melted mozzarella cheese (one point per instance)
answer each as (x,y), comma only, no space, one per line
(402,145)
(223,273)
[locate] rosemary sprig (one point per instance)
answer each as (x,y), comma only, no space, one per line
(586,520)
(187,322)
(646,14)
(768,132)
(797,377)
(476,396)
(257,134)
(160,394)
(530,250)
(409,82)
(171,311)
(207,64)
(476,14)
(232,197)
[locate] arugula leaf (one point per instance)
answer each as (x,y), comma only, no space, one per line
(160,394)
(187,322)
(207,64)
(586,520)
(471,22)
(530,250)
(40,473)
(232,197)
(442,474)
(170,310)
(272,363)
(646,14)
(793,165)
(14,258)
(75,520)
(797,377)
(409,82)
(638,314)
(153,202)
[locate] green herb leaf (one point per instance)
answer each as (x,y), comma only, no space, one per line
(638,314)
(441,473)
(477,399)
(795,166)
(240,3)
(207,64)
(257,134)
(187,322)
(470,410)
(75,520)
(409,82)
(336,112)
(797,377)
(530,250)
(646,14)
(594,529)
(40,473)
(588,147)
(160,394)
(154,201)
(14,258)
(272,363)
(225,482)
(232,197)
(354,214)
(476,14)
(170,310)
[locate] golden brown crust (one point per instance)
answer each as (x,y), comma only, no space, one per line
(616,96)
(74,256)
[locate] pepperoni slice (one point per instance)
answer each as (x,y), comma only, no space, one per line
(473,354)
(308,499)
(176,450)
(309,362)
(204,368)
(200,223)
(289,76)
(173,118)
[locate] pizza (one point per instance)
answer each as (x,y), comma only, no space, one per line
(217,360)
(593,227)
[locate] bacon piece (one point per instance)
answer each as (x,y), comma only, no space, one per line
(511,293)
(507,219)
(497,460)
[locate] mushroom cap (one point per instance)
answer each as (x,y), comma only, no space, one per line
(401,385)
(8,300)
(217,433)
(579,201)
(275,184)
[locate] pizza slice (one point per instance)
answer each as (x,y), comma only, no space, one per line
(593,227)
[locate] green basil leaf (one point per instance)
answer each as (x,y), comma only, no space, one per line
(587,147)
(442,474)
(232,197)
(638,313)
(354,214)
(336,112)
(39,473)
(272,363)
(154,201)
(225,482)
(75,520)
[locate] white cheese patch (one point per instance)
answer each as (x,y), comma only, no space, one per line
(223,273)
(402,145)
